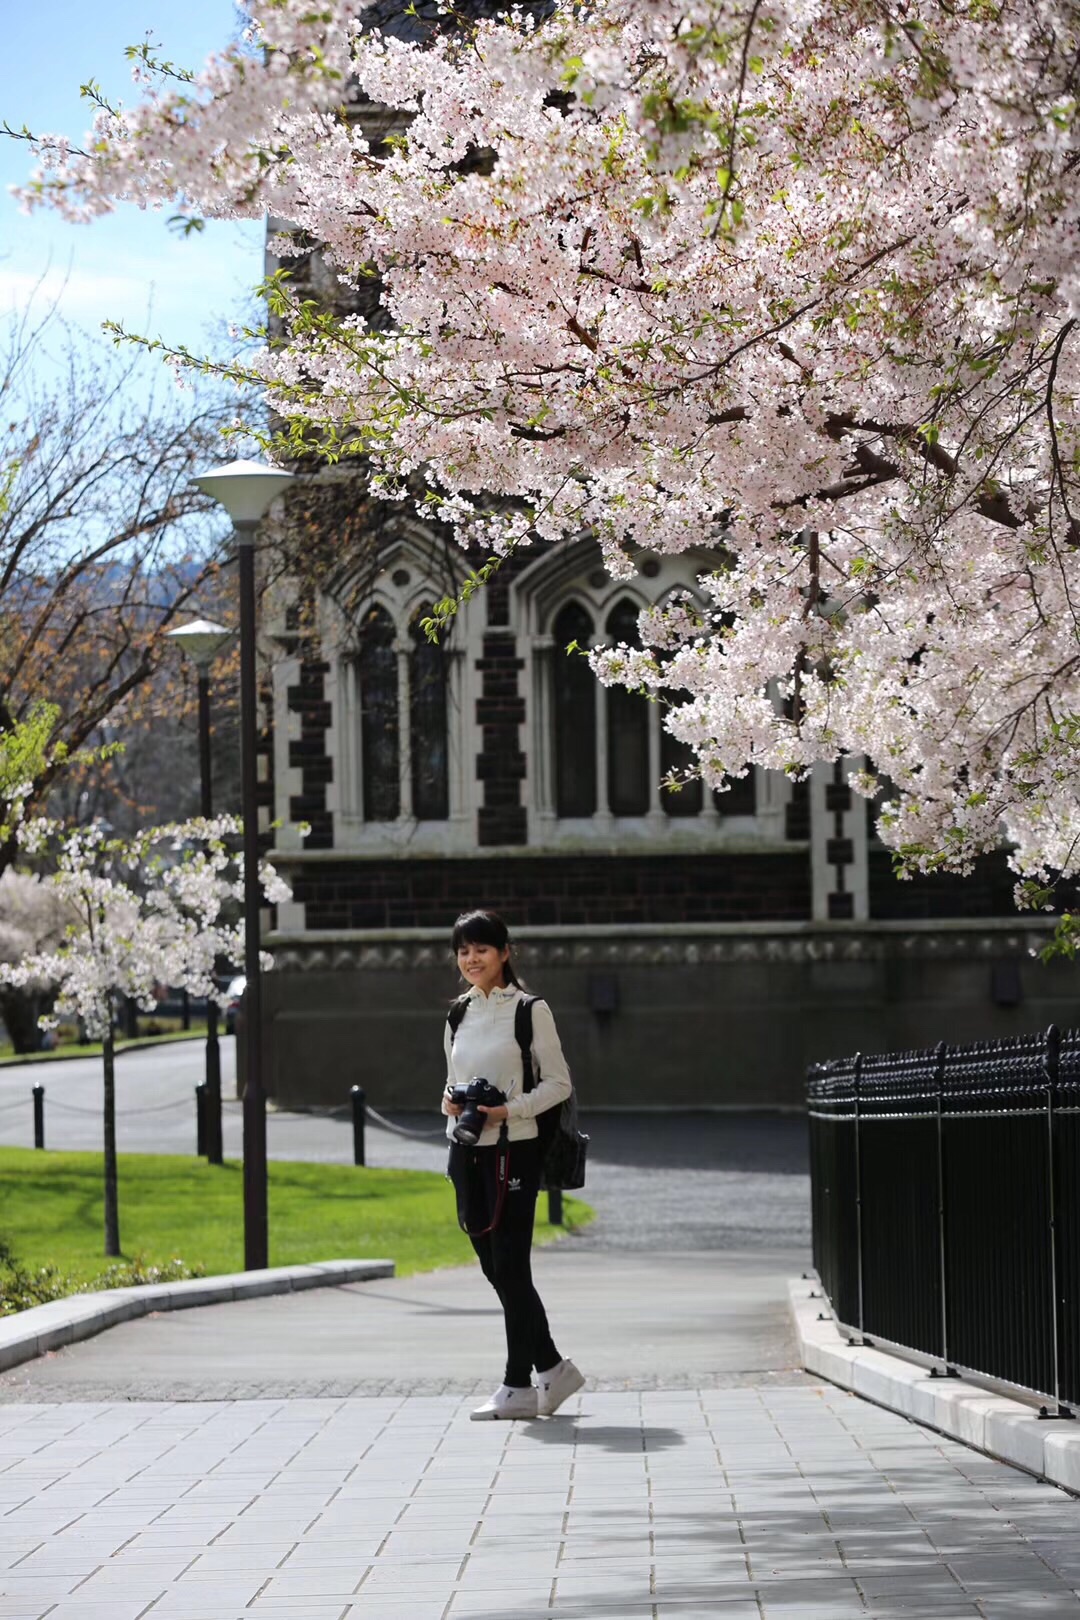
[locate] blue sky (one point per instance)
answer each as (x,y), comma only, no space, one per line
(127,267)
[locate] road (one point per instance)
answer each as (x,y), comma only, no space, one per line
(659,1181)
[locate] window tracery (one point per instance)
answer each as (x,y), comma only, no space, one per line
(429,754)
(400,680)
(606,752)
(573,715)
(377,669)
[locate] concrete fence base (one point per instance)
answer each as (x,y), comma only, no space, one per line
(1002,1426)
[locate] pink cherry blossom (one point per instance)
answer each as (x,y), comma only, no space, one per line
(800,278)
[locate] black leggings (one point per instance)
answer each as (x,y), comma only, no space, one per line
(504,1253)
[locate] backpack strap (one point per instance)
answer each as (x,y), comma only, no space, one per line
(456,1013)
(523,1034)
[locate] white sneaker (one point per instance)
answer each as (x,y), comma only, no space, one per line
(557,1385)
(507,1403)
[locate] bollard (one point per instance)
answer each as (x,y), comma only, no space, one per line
(200,1118)
(39,1116)
(359,1102)
(555,1206)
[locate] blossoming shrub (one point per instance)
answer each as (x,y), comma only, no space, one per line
(22,1287)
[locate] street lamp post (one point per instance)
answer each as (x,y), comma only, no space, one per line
(246,489)
(201,641)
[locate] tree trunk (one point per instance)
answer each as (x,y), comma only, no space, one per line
(112,1209)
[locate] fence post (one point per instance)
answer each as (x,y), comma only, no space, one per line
(1050,1070)
(939,1087)
(555,1206)
(359,1104)
(39,1115)
(200,1118)
(856,1078)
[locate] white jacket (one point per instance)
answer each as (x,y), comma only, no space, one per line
(484,1044)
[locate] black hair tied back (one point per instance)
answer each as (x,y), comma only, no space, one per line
(484,928)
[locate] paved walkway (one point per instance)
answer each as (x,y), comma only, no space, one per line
(311,1457)
(631,1320)
(805,1504)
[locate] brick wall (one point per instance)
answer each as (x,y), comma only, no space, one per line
(500,764)
(308,752)
(988,892)
(562,890)
(500,713)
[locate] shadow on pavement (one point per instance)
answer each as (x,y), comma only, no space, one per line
(628,1438)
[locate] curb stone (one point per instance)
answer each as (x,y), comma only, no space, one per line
(1002,1427)
(80,1316)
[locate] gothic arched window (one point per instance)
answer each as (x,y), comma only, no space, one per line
(679,757)
(379,740)
(627,728)
(574,712)
(428,750)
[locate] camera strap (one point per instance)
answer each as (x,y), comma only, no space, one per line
(502,1180)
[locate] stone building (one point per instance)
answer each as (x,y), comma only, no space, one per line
(700,949)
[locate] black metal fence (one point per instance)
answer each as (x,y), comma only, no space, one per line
(946,1204)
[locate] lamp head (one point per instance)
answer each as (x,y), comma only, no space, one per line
(244,488)
(202,640)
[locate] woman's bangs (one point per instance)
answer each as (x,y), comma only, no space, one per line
(477,930)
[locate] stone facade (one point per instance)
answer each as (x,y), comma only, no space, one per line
(675,1017)
(694,959)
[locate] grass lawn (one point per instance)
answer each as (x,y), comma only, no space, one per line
(51,1213)
(72,1049)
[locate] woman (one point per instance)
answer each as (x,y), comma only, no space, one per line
(497,1210)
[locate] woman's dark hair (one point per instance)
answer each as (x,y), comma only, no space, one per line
(484,928)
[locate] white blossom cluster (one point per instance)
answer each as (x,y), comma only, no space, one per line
(157,909)
(798,275)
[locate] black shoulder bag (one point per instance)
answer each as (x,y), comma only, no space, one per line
(563,1148)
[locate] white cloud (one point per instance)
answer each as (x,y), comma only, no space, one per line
(79,294)
(131,270)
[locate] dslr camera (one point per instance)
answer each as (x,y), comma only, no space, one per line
(479,1093)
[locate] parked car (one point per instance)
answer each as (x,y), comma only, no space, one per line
(235,993)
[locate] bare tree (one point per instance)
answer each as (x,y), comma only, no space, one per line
(104,544)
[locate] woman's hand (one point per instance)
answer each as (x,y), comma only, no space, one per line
(495,1116)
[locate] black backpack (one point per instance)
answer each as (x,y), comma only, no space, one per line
(563,1148)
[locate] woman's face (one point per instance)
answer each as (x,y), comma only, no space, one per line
(482,965)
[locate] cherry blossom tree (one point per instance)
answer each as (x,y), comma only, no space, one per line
(800,278)
(158,908)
